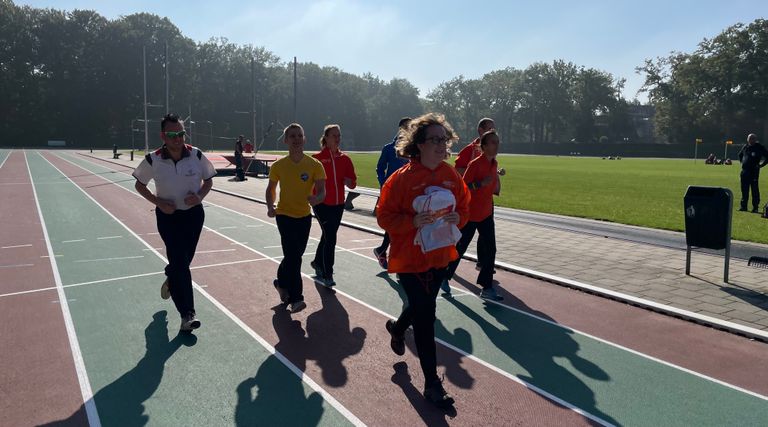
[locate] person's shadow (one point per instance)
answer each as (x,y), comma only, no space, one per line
(278,400)
(535,345)
(121,402)
(327,340)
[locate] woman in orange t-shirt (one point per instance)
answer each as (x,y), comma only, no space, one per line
(420,273)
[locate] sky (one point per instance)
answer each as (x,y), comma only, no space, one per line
(429,42)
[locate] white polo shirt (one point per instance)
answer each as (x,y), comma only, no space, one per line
(175,180)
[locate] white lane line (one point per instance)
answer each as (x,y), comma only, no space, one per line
(199,267)
(109,237)
(48,256)
(6,158)
(227,227)
(494,368)
(27,292)
(365,240)
(245,261)
(82,375)
(17,265)
(110,259)
(148,234)
(215,251)
(293,368)
(157,249)
(273,247)
(16,246)
(73,241)
(254,226)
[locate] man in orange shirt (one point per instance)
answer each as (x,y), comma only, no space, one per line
(420,272)
(482,179)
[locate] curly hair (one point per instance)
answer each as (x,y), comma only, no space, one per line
(416,133)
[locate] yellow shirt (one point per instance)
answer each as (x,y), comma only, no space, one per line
(296,182)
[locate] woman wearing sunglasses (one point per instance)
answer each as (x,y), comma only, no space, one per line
(420,269)
(183,177)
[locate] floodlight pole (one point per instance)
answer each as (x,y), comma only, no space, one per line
(146,127)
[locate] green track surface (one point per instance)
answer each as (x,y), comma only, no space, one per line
(141,372)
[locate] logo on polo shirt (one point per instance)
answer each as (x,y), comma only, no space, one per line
(190,172)
(304,176)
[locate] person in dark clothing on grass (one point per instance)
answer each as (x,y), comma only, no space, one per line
(752,156)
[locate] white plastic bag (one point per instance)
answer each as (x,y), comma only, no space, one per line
(439,234)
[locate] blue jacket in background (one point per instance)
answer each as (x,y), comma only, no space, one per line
(389,162)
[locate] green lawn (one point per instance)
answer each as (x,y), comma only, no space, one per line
(644,192)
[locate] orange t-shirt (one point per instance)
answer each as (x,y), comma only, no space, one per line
(395,214)
(481,204)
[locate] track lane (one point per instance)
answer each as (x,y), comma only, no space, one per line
(356,265)
(141,374)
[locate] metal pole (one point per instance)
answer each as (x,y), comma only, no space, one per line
(167,80)
(725,152)
(294,88)
(146,127)
(253,100)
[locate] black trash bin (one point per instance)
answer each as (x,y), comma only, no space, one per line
(708,213)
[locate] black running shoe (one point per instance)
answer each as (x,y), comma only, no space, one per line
(318,270)
(280,291)
(397,342)
(436,395)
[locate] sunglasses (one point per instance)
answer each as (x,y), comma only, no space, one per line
(179,134)
(436,140)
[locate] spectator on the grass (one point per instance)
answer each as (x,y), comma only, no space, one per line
(752,156)
(183,177)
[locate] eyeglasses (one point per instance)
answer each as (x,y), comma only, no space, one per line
(179,134)
(437,140)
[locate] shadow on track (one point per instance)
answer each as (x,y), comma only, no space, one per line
(122,401)
(328,339)
(536,346)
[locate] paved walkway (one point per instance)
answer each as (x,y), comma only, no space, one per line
(638,273)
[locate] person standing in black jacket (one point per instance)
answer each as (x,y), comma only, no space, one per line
(752,156)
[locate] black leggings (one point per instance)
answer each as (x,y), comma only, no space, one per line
(421,290)
(294,233)
(329,217)
(180,232)
(486,249)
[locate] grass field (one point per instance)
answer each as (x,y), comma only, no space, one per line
(644,192)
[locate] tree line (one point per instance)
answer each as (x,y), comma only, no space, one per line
(77,76)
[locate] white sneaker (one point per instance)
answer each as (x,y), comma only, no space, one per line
(165,290)
(189,323)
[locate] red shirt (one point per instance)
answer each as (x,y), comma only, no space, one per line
(468,153)
(481,204)
(337,167)
(395,214)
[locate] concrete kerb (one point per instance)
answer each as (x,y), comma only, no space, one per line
(712,322)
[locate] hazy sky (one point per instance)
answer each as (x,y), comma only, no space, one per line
(428,42)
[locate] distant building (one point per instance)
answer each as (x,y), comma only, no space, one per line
(641,117)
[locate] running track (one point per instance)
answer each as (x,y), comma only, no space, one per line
(85,338)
